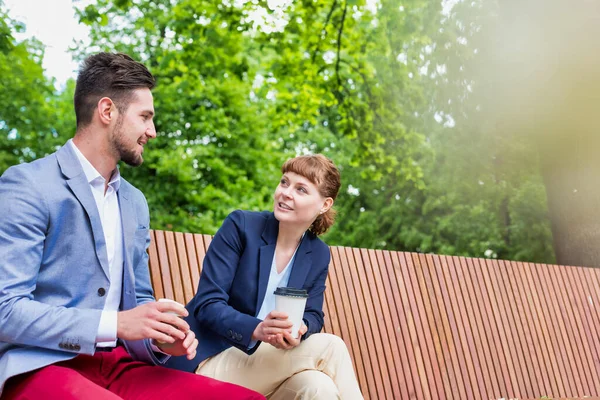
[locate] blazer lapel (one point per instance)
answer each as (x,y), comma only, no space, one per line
(302,263)
(128,221)
(128,224)
(77,181)
(267,251)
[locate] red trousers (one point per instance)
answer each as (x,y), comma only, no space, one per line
(115,375)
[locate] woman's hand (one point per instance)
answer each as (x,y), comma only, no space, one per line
(276,323)
(285,341)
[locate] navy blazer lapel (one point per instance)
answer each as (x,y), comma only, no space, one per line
(267,251)
(302,262)
(77,181)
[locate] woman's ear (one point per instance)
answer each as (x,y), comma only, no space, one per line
(326,205)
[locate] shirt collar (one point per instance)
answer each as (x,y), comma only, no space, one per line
(92,173)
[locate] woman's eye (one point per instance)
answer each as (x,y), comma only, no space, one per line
(301,189)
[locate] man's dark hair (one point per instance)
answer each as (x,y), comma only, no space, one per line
(113,75)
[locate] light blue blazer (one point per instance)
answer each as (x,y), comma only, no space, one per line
(54,266)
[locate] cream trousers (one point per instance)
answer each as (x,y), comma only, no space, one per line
(320,367)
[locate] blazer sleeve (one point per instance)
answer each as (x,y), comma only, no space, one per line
(211,308)
(313,313)
(24,220)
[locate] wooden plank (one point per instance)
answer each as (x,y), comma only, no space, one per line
(545,272)
(387,379)
(480,274)
(471,332)
(431,380)
(522,317)
(393,340)
(193,263)
(509,324)
(347,320)
(577,279)
(347,269)
(174,263)
(163,260)
(570,297)
(593,299)
(548,362)
(465,338)
(414,368)
(452,340)
(184,270)
(434,322)
(481,334)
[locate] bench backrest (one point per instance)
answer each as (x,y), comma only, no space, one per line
(437,327)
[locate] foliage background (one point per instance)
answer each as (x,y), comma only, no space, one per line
(392,91)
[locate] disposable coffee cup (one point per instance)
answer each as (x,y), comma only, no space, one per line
(292,302)
(170,301)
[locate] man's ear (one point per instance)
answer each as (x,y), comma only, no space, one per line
(106,110)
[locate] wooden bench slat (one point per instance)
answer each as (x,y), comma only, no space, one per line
(452,341)
(448,350)
(566,328)
(432,324)
(554,328)
(585,276)
(542,342)
(509,326)
(522,318)
(382,375)
(485,297)
(184,269)
(477,325)
(571,301)
(414,369)
(471,333)
(345,313)
(354,298)
(154,266)
(193,265)
(392,339)
(577,280)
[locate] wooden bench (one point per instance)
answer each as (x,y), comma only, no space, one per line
(437,327)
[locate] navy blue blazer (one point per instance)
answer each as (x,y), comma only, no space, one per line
(234,280)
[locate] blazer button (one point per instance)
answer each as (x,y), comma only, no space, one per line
(230,333)
(239,337)
(101,292)
(61,345)
(76,347)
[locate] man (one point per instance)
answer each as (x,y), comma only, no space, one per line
(77,315)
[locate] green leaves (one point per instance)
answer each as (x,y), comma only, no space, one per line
(390,91)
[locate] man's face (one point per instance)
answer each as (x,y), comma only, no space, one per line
(134,128)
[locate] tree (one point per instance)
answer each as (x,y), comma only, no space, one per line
(27,114)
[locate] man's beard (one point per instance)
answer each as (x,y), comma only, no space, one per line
(119,146)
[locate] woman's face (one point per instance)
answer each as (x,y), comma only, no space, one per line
(297,200)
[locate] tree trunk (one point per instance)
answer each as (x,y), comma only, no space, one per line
(549,88)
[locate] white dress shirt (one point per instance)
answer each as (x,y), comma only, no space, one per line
(110,217)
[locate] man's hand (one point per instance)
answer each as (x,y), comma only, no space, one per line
(186,347)
(275,323)
(153,321)
(285,341)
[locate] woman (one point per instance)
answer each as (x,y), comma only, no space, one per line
(242,339)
